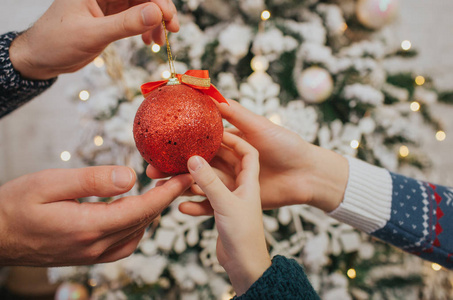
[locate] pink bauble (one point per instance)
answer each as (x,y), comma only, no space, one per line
(376,13)
(315,85)
(71,291)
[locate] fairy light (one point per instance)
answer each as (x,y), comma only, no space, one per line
(436,267)
(166,74)
(98,140)
(419,80)
(276,119)
(228,295)
(415,106)
(265,15)
(92,282)
(155,48)
(354,144)
(259,63)
(343,27)
(441,135)
(406,45)
(404,151)
(98,62)
(84,95)
(65,156)
(351,273)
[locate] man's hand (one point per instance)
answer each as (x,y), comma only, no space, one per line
(43,224)
(71,33)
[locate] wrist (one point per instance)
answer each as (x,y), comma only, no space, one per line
(368,197)
(21,59)
(242,276)
(328,177)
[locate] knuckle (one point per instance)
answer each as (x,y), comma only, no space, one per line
(35,180)
(254,152)
(93,253)
(209,179)
(88,180)
(124,24)
(87,238)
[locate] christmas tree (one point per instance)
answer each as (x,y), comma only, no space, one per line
(319,68)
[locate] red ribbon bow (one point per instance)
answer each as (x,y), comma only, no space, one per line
(197,79)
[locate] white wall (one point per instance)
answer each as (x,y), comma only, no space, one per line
(32,137)
(428,25)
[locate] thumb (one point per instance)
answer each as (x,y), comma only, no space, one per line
(102,181)
(133,21)
(208,181)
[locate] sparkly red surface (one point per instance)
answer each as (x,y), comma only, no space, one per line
(174,123)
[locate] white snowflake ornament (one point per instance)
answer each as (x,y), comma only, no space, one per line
(234,42)
(260,94)
(301,119)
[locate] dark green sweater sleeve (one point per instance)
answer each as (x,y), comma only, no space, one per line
(285,279)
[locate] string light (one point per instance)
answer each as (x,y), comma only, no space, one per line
(265,15)
(415,106)
(436,267)
(406,45)
(155,48)
(419,80)
(98,62)
(404,151)
(351,273)
(228,295)
(343,27)
(166,74)
(276,119)
(259,63)
(65,156)
(441,135)
(92,282)
(98,140)
(355,144)
(84,95)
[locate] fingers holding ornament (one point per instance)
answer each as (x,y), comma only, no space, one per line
(192,208)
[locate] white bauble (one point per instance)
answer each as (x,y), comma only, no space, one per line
(315,85)
(71,291)
(376,13)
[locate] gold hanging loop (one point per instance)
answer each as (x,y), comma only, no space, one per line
(171,63)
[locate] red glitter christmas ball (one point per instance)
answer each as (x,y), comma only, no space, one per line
(175,122)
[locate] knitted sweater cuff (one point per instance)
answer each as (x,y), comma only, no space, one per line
(14,89)
(368,197)
(284,279)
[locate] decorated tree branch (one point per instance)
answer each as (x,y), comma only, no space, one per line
(318,68)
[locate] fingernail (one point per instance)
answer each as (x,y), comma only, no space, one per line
(147,15)
(195,163)
(122,177)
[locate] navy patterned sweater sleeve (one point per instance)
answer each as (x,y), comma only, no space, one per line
(284,280)
(14,89)
(421,220)
(413,215)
